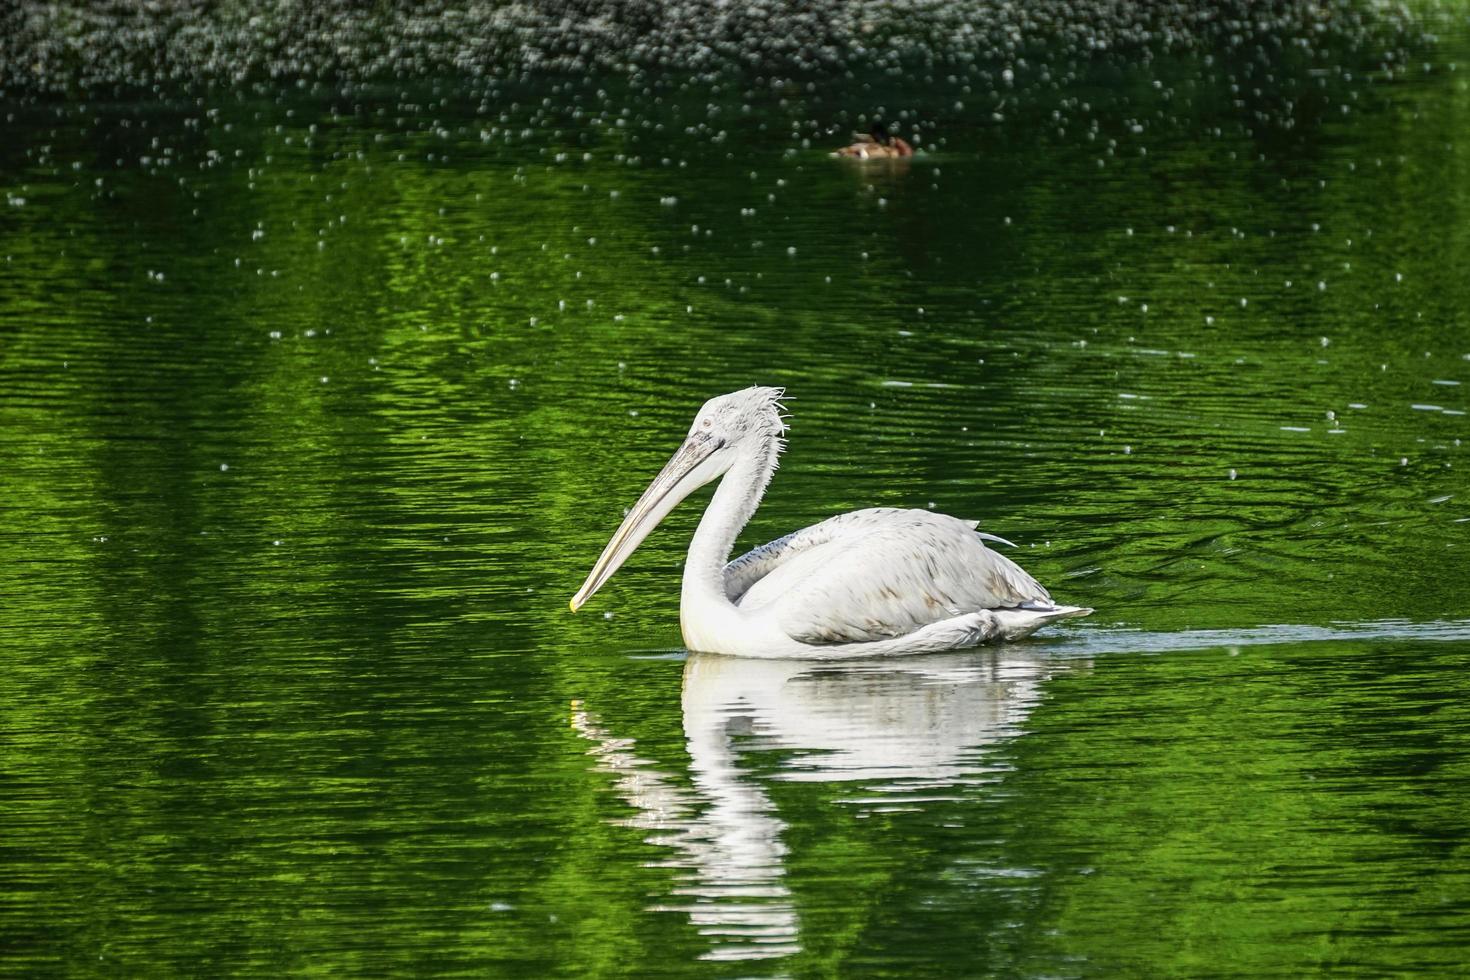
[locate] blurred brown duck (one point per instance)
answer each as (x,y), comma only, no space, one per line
(877,144)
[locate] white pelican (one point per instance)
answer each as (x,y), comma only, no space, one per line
(879,582)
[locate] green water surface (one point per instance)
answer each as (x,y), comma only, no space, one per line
(317,404)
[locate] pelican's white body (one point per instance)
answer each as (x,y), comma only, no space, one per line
(878,582)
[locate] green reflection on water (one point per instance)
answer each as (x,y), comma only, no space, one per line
(314,411)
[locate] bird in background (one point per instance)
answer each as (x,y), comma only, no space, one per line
(876,144)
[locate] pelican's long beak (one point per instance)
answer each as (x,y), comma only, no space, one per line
(689,469)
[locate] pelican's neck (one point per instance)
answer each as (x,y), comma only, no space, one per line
(735,500)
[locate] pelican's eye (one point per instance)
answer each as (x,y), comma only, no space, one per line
(707,423)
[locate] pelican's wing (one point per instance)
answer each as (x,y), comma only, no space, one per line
(886,573)
(756,564)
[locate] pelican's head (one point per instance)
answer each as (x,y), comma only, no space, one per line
(727,426)
(751,413)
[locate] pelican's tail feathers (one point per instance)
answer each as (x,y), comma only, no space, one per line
(1024,620)
(995,537)
(987,536)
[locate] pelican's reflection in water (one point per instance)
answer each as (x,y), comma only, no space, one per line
(906,729)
